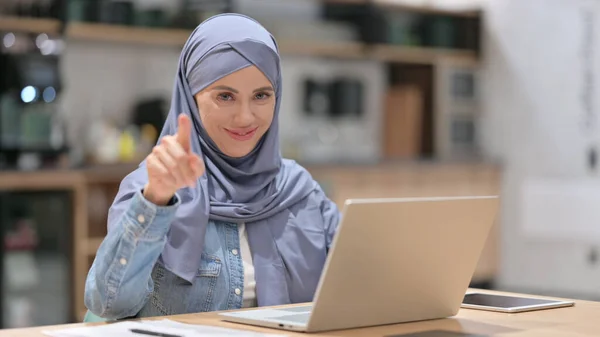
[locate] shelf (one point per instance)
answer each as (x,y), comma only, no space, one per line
(395,5)
(347,2)
(29,25)
(39,180)
(420,55)
(355,50)
(352,50)
(125,34)
(177,37)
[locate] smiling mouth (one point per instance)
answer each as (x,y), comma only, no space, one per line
(242,135)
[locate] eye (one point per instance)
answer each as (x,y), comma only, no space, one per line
(262,95)
(225,97)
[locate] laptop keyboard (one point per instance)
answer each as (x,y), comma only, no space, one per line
(298,315)
(304,308)
(297,318)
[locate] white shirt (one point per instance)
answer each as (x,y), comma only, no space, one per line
(249,281)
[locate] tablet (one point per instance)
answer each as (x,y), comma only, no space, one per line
(504,303)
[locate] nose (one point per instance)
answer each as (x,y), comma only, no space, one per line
(245,116)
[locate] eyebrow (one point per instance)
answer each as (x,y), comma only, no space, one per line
(264,89)
(224,87)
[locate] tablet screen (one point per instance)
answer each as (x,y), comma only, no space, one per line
(500,301)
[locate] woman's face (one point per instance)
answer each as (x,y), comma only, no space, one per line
(237,110)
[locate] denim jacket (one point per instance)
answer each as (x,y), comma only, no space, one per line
(127,278)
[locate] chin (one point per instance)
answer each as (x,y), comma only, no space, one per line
(238,152)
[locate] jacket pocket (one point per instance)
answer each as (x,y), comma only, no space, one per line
(210,266)
(173,295)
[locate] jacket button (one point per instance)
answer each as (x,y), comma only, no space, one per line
(234,251)
(141,218)
(238,291)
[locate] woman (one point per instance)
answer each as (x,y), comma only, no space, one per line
(214,218)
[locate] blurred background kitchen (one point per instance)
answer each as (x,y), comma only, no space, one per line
(388,98)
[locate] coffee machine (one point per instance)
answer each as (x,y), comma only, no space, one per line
(32,134)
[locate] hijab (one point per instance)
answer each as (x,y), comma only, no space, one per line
(250,189)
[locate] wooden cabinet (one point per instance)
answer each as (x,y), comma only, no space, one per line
(89,214)
(94,189)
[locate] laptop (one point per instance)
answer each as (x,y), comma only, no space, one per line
(391,261)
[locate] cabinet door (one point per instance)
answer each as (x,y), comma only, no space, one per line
(457,111)
(36,258)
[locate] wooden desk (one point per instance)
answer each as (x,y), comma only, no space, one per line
(578,321)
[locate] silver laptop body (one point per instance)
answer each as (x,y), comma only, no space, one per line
(391,261)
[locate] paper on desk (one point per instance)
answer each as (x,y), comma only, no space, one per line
(161,326)
(209,330)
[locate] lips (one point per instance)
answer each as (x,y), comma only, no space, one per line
(242,135)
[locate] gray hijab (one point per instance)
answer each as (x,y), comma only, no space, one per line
(250,189)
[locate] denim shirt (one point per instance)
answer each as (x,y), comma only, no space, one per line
(128,279)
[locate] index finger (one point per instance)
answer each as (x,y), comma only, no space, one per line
(184,130)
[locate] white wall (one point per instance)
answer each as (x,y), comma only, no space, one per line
(539,54)
(105,80)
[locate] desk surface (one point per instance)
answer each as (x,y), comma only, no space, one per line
(578,321)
